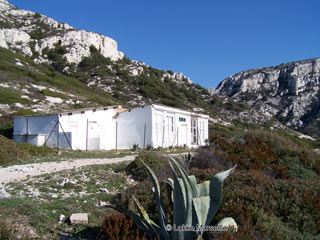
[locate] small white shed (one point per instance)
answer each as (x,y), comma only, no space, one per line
(114,128)
(161,126)
(85,129)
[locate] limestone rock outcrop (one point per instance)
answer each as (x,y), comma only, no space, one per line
(23,29)
(289,92)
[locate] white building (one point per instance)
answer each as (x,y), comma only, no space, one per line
(161,126)
(114,128)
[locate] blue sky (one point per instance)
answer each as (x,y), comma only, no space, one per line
(207,40)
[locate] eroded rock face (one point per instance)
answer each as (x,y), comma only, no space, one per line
(21,25)
(289,91)
(79,42)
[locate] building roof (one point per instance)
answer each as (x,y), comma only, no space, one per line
(164,107)
(72,111)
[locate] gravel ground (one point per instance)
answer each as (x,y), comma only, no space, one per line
(20,172)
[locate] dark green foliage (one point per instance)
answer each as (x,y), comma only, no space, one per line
(37,34)
(10,152)
(5,24)
(10,96)
(6,128)
(47,92)
(37,15)
(262,150)
(56,55)
(35,150)
(95,60)
(7,231)
(265,208)
(120,227)
(138,170)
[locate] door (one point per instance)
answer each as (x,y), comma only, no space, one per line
(93,139)
(194,131)
(158,129)
(169,130)
(182,135)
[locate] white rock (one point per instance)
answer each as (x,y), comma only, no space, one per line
(104,190)
(79,218)
(102,203)
(53,195)
(80,42)
(4,194)
(54,99)
(61,218)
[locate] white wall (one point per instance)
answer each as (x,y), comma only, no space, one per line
(131,125)
(98,129)
(178,134)
(73,127)
(89,130)
(37,125)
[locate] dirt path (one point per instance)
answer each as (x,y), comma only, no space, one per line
(20,172)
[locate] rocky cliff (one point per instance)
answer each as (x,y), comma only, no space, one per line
(290,92)
(32,33)
(48,66)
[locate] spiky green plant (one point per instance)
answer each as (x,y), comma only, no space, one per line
(193,205)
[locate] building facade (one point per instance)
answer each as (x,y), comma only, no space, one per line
(114,128)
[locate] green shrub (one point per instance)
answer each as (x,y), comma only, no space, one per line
(47,92)
(7,231)
(35,150)
(137,169)
(10,152)
(10,96)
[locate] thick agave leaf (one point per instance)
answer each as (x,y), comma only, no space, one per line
(194,184)
(190,181)
(170,182)
(203,189)
(152,232)
(201,206)
(228,222)
(143,213)
(179,199)
(170,191)
(162,217)
(216,192)
(188,193)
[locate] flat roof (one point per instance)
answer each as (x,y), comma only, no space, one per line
(164,107)
(71,111)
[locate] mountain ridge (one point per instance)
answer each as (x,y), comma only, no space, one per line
(290,92)
(44,57)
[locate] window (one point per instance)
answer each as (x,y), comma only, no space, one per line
(194,135)
(170,123)
(182,119)
(158,126)
(201,131)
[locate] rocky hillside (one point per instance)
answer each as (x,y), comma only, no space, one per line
(48,66)
(290,92)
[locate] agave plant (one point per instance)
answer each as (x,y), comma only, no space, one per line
(194,205)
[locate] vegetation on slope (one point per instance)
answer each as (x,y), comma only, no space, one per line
(273,194)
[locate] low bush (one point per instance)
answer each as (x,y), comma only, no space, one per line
(49,93)
(7,232)
(206,159)
(138,171)
(10,96)
(10,152)
(120,227)
(36,150)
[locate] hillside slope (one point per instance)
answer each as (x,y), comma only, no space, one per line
(48,66)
